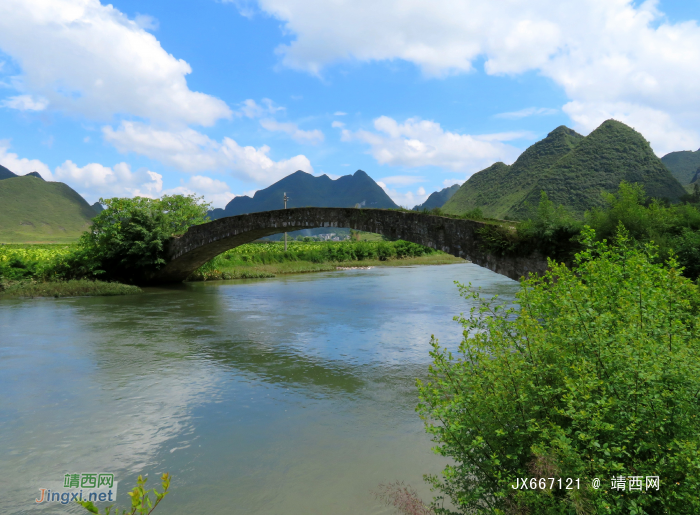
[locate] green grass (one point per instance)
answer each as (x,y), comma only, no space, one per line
(35,211)
(73,288)
(269,259)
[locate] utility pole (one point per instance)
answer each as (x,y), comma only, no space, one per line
(286,198)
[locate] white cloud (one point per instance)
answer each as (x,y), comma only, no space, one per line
(192,151)
(337,125)
(146,22)
(451,182)
(665,132)
(424,143)
(251,109)
(300,136)
(214,191)
(402,180)
(94,180)
(339,113)
(530,111)
(22,166)
(90,59)
(407,199)
(602,53)
(25,103)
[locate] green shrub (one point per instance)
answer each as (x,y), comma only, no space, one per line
(141,502)
(594,373)
(127,240)
(552,231)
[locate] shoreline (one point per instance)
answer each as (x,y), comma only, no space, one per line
(88,288)
(259,271)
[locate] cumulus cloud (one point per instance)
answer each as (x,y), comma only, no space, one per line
(192,151)
(337,125)
(407,199)
(214,191)
(339,113)
(86,58)
(95,180)
(425,143)
(603,53)
(22,166)
(530,111)
(25,103)
(300,136)
(402,180)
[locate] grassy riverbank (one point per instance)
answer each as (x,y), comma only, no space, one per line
(56,289)
(255,271)
(34,270)
(257,260)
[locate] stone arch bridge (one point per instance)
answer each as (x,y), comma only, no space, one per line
(458,237)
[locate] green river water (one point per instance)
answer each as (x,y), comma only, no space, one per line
(285,396)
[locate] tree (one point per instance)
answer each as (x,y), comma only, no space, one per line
(127,240)
(593,373)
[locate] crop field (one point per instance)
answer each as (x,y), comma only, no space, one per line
(18,261)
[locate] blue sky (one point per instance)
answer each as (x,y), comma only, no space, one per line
(222,98)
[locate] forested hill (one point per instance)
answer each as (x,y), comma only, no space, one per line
(683,165)
(498,188)
(437,198)
(303,189)
(573,170)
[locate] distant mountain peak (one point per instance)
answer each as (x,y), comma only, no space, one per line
(304,189)
(572,169)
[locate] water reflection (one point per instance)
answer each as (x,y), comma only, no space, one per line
(293,395)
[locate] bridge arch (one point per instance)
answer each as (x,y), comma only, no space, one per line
(458,237)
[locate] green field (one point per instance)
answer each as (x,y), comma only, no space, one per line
(28,270)
(269,258)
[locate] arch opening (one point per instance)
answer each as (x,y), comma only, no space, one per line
(458,237)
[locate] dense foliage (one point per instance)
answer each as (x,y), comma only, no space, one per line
(127,240)
(683,164)
(675,229)
(552,231)
(594,373)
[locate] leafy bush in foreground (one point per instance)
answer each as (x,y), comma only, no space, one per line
(594,374)
(127,240)
(141,502)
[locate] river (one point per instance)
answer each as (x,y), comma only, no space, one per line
(285,396)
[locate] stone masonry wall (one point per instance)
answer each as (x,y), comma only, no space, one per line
(457,237)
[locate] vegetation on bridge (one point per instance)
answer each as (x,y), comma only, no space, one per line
(554,232)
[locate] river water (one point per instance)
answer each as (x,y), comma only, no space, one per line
(285,396)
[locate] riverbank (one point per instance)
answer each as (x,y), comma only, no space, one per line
(72,288)
(37,270)
(252,270)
